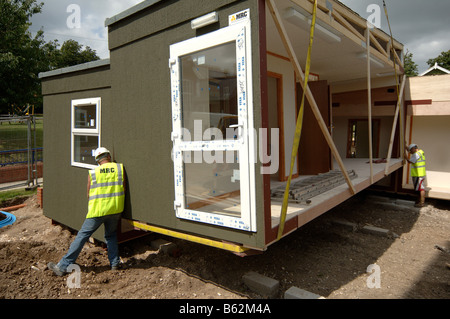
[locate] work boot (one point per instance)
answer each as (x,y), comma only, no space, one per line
(419,204)
(118,266)
(54,267)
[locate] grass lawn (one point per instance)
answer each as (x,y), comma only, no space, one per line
(7,196)
(14,136)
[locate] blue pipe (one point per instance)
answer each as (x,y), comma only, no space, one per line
(9,220)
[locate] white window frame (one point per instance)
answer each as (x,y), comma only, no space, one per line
(247,221)
(97,101)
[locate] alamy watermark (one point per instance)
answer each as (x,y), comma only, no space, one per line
(232,135)
(374,280)
(374,19)
(74,19)
(74,279)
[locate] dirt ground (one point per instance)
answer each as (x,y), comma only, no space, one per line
(322,257)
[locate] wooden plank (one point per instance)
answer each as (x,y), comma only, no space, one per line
(394,126)
(378,45)
(325,18)
(347,24)
(369,103)
(285,39)
(359,21)
(345,12)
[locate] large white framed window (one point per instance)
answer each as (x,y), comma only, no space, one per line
(212,118)
(85,131)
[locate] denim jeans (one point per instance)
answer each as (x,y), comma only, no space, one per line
(90,225)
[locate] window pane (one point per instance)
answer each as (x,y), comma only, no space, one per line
(215,187)
(85,116)
(209,93)
(83,148)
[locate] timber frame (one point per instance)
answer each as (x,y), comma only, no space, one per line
(377,44)
(361,32)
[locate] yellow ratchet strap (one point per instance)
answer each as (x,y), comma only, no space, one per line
(298,128)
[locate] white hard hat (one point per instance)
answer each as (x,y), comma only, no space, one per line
(100,151)
(410,147)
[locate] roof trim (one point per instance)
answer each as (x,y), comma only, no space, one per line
(75,68)
(134,9)
(435,67)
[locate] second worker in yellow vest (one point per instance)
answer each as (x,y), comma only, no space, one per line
(418,171)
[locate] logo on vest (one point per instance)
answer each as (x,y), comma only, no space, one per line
(107,170)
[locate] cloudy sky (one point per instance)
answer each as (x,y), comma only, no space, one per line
(59,20)
(422,26)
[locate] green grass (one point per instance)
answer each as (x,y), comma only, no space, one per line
(12,194)
(14,136)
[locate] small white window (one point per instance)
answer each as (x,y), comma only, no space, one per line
(85,131)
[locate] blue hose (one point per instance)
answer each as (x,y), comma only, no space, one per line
(9,220)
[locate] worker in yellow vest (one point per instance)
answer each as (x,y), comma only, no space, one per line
(106,194)
(418,172)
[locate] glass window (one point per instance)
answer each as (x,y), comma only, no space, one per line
(209,93)
(83,148)
(85,116)
(213,188)
(85,131)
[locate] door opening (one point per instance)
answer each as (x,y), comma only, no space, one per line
(358,138)
(276,121)
(211,118)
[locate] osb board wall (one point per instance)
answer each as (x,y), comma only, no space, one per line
(430,95)
(354,103)
(435,87)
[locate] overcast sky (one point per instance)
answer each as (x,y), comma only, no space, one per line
(422,26)
(59,21)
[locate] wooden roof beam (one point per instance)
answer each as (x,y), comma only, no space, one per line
(353,17)
(312,102)
(325,17)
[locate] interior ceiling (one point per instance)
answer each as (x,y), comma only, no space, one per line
(334,62)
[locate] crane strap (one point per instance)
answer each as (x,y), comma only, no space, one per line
(298,128)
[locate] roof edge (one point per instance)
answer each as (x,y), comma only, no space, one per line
(75,68)
(134,9)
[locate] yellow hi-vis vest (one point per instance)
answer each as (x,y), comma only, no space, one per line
(106,192)
(418,168)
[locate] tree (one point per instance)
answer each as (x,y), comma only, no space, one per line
(23,57)
(411,68)
(19,54)
(72,53)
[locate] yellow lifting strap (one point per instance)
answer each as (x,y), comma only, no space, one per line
(402,138)
(298,128)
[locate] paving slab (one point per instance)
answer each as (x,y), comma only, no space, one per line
(262,285)
(297,293)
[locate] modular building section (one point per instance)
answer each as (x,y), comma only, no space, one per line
(199,100)
(428,118)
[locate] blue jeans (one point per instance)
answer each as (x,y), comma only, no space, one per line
(90,225)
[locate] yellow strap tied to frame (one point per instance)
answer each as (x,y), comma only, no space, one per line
(298,128)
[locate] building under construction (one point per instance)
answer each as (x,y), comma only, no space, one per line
(200,100)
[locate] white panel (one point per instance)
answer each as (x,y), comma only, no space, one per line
(233,204)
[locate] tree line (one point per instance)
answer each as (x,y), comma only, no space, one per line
(23,56)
